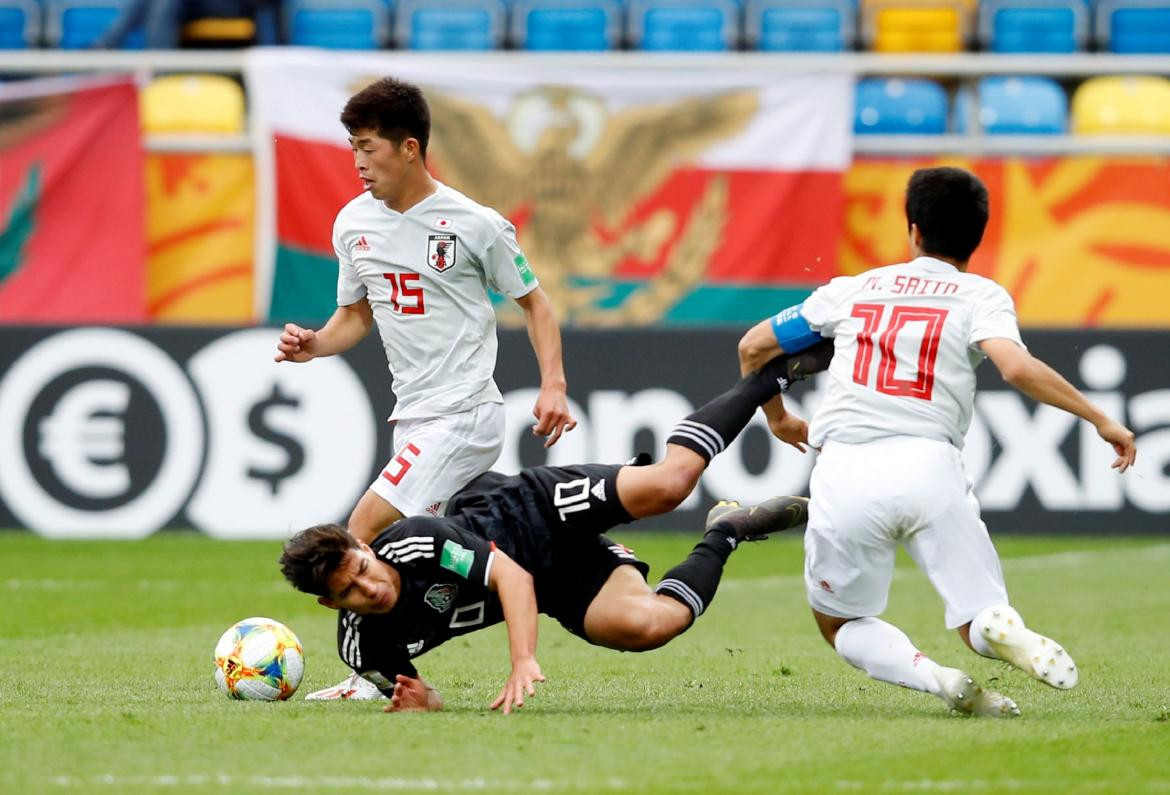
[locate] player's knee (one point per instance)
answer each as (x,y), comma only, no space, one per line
(646,630)
(675,484)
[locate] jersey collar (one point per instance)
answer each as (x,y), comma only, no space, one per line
(933,265)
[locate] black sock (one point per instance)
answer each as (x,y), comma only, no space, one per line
(693,582)
(713,426)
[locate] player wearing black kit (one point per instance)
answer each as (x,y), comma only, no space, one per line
(514,546)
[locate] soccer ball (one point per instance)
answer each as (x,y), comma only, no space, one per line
(259,659)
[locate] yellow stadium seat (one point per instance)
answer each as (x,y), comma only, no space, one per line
(219,32)
(193,104)
(1122,106)
(916,25)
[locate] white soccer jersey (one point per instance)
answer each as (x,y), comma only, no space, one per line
(905,339)
(425,273)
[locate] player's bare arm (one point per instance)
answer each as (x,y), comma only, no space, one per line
(346,328)
(1043,384)
(413,694)
(552,405)
(518,601)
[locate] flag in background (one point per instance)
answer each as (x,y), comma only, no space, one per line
(655,194)
(71,202)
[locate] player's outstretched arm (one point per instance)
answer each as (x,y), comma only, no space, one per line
(518,600)
(413,695)
(346,328)
(1043,384)
(552,405)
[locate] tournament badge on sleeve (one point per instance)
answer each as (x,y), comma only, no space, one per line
(441,252)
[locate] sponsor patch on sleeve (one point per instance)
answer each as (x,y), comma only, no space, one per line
(456,558)
(525,270)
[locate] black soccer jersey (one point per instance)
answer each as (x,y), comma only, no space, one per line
(549,520)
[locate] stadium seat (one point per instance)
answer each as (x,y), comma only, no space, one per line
(1014,106)
(206,104)
(893,106)
(1134,26)
(693,25)
(566,24)
(1054,26)
(452,25)
(338,24)
(800,25)
(1122,106)
(20,24)
(78,24)
(915,25)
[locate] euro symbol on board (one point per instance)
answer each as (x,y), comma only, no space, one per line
(294,452)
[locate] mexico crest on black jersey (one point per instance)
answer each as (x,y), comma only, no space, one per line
(441,252)
(441,597)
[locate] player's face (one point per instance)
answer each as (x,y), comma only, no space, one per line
(362,584)
(381,164)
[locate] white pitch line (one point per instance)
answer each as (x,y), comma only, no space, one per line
(316,783)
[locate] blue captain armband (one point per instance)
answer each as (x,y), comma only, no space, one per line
(792,331)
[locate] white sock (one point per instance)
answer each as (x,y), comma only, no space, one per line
(885,653)
(977,641)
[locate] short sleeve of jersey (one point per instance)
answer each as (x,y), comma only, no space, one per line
(350,289)
(820,308)
(506,267)
(437,547)
(994,315)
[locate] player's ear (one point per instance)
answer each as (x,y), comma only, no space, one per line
(325,601)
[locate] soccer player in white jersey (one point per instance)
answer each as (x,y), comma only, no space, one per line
(907,339)
(417,258)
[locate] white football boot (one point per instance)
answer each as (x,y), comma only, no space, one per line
(961,693)
(1039,657)
(352,688)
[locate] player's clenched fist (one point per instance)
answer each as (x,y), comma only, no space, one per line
(296,344)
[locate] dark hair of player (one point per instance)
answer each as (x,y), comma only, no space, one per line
(950,206)
(312,555)
(396,109)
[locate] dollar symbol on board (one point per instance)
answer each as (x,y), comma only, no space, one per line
(294,452)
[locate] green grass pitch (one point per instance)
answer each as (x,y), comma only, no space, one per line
(106,686)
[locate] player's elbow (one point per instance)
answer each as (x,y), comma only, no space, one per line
(753,354)
(1018,371)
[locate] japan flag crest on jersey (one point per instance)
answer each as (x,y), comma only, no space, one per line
(441,252)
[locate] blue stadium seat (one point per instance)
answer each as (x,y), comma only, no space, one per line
(566,24)
(451,25)
(1134,26)
(1014,106)
(893,106)
(78,24)
(800,25)
(20,24)
(694,25)
(1051,26)
(338,24)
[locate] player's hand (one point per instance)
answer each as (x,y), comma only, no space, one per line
(525,672)
(1122,439)
(552,415)
(790,429)
(410,695)
(296,344)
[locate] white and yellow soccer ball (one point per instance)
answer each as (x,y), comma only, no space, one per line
(259,659)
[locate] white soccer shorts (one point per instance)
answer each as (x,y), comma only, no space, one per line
(435,457)
(866,499)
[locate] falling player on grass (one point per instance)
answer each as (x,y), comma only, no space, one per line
(907,339)
(510,547)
